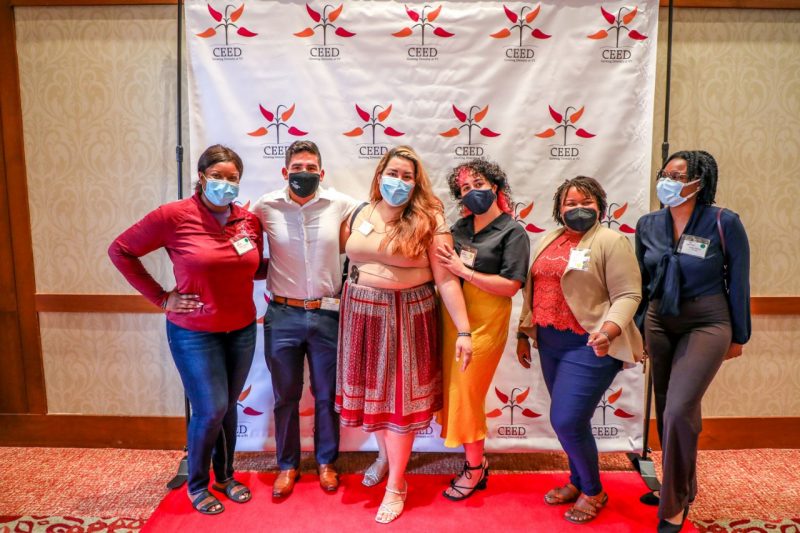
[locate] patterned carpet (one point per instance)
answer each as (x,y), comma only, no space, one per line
(83,490)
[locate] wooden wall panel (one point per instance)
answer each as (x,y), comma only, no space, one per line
(23,318)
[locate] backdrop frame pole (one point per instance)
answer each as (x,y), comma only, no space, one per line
(183,466)
(643,464)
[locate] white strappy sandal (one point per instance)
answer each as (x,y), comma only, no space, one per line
(376,472)
(389,511)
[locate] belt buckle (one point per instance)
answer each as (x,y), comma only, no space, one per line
(305,305)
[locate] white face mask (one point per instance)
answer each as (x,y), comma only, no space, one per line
(669,190)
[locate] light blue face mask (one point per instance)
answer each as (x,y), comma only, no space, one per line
(669,190)
(395,191)
(220,192)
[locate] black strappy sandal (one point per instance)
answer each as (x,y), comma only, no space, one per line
(234,490)
(205,502)
(466,492)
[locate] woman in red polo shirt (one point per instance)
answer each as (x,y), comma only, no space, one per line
(216,251)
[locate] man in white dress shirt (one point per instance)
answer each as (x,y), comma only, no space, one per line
(302,222)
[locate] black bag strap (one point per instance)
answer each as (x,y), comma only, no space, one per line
(355,214)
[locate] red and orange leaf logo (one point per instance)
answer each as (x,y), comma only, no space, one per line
(520,22)
(618,23)
(324,20)
(227,19)
(512,401)
(565,121)
(607,403)
(372,121)
(613,214)
(423,20)
(247,410)
(521,211)
(277,119)
(470,121)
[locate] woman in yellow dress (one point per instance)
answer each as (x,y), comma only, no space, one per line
(490,255)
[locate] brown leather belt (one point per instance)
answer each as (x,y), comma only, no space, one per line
(294,302)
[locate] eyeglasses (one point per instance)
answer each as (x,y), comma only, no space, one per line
(674,175)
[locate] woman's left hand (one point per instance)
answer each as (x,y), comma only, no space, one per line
(734,350)
(599,342)
(451,261)
(464,351)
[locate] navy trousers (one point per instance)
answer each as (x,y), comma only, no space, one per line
(576,380)
(291,334)
(213,368)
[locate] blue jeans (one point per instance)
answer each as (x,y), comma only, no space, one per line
(576,380)
(291,334)
(213,369)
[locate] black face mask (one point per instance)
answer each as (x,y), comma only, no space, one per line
(479,201)
(303,184)
(580,219)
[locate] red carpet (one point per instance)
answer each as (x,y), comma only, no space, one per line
(511,503)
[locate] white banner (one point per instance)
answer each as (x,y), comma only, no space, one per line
(548,90)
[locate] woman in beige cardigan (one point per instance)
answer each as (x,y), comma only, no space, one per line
(582,292)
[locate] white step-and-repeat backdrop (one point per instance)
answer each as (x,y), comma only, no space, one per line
(548,90)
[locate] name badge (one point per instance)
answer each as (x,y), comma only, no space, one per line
(694,246)
(578,259)
(330,304)
(243,245)
(468,255)
(365,228)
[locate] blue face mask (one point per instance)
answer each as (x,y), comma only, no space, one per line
(395,191)
(220,192)
(669,190)
(479,201)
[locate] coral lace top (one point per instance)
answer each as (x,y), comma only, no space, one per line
(549,306)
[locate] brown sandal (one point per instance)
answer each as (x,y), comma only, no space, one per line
(566,494)
(586,508)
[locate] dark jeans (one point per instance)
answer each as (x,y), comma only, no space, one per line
(576,380)
(213,369)
(686,352)
(291,334)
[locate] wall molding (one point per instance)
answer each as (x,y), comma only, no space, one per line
(135,303)
(142,432)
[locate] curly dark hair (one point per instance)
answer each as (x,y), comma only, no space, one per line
(584,184)
(699,165)
(493,174)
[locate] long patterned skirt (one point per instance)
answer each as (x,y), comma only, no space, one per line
(389,372)
(463,417)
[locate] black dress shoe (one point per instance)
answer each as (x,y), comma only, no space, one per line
(650,498)
(669,527)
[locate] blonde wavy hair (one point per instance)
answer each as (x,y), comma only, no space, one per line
(413,232)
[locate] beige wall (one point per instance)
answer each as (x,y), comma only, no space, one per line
(98,100)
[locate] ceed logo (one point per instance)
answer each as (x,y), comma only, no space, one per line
(227,20)
(618,23)
(470,121)
(612,215)
(521,23)
(247,409)
(565,121)
(423,20)
(512,402)
(374,123)
(275,120)
(521,212)
(607,430)
(324,21)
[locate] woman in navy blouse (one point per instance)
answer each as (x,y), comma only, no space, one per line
(695,313)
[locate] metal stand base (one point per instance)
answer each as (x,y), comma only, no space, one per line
(644,465)
(182,475)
